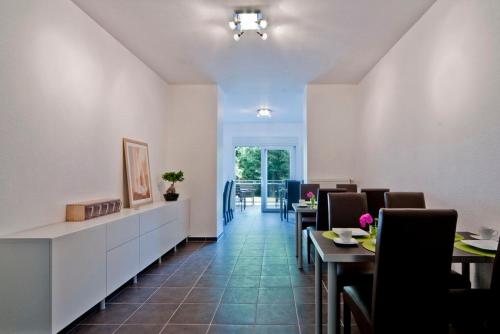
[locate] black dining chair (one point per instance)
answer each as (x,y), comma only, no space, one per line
(416,200)
(224,202)
(477,310)
(349,187)
(409,293)
(292,195)
(375,199)
(308,219)
(404,200)
(321,215)
(344,210)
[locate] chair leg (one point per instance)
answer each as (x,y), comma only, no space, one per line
(347,319)
(308,248)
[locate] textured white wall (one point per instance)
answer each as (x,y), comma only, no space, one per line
(69,93)
(430,112)
(192,147)
(332,131)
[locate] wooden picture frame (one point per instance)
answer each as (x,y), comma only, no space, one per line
(138,172)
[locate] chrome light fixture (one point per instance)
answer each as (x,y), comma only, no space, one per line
(264,112)
(248,20)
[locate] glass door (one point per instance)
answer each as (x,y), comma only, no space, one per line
(276,168)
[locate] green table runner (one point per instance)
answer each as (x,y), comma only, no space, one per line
(331,235)
(368,244)
(473,250)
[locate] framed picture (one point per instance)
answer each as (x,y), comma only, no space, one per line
(138,172)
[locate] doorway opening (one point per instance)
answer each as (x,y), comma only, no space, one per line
(260,174)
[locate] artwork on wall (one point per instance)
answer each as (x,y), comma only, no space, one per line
(138,172)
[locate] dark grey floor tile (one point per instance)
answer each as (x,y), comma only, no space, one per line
(231,329)
(185,329)
(250,269)
(306,295)
(275,296)
(163,269)
(194,314)
(275,282)
(220,269)
(213,281)
(113,314)
(180,280)
(157,314)
(278,314)
(205,295)
(153,281)
(307,312)
(311,329)
(240,296)
(94,329)
(274,260)
(250,261)
(235,314)
(276,329)
(244,281)
(169,295)
(275,270)
(133,295)
(142,329)
(302,280)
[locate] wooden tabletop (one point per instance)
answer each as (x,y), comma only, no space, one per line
(329,252)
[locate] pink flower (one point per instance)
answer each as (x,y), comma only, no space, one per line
(310,195)
(365,219)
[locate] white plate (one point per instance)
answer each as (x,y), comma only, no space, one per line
(490,245)
(356,232)
(341,242)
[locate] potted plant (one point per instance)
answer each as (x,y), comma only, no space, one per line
(173,177)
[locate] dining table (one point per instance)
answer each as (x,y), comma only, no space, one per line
(327,252)
(299,211)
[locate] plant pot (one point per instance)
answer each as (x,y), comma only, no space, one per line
(171,197)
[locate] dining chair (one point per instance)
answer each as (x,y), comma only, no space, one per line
(229,201)
(410,287)
(224,202)
(416,200)
(477,310)
(321,215)
(344,210)
(308,219)
(375,199)
(350,187)
(404,200)
(293,195)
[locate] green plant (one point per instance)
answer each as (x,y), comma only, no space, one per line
(173,177)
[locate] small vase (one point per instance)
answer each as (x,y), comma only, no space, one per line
(313,202)
(373,231)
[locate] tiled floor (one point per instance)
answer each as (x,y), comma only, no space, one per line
(247,282)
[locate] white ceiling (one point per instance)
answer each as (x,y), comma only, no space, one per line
(316,41)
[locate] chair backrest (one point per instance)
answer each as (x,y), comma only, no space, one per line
(308,187)
(230,194)
(404,200)
(322,211)
(344,209)
(349,187)
(224,197)
(293,192)
(375,199)
(495,276)
(412,270)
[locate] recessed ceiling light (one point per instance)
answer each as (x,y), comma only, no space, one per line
(249,20)
(264,112)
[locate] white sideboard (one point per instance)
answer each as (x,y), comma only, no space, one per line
(50,276)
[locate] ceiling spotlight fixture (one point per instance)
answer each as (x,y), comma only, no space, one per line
(248,20)
(264,112)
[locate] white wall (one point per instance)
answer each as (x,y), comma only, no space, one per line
(192,147)
(69,93)
(332,130)
(261,134)
(430,112)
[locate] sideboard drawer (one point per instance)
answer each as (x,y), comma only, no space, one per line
(153,219)
(122,264)
(121,231)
